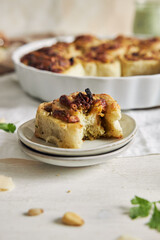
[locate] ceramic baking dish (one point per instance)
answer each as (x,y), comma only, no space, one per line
(130,92)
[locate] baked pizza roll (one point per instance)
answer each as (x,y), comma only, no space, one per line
(100,63)
(56,63)
(69,120)
(41,61)
(83,42)
(111,47)
(140,63)
(126,41)
(46,58)
(62,49)
(151,44)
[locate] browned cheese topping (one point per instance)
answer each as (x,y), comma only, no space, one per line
(142,55)
(85,40)
(149,43)
(126,41)
(61,56)
(49,58)
(65,107)
(100,53)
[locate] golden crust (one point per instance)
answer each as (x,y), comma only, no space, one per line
(152,44)
(85,41)
(141,62)
(140,67)
(126,41)
(89,56)
(70,119)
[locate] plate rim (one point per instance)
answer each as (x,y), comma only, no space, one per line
(73,152)
(75,158)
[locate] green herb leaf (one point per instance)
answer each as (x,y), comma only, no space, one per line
(155,219)
(8,127)
(141,211)
(137,200)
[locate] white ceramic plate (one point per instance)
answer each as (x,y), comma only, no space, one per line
(130,92)
(26,135)
(73,161)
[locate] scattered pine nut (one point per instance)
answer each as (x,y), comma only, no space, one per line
(72,219)
(35,211)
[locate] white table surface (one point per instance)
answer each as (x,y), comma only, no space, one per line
(100,194)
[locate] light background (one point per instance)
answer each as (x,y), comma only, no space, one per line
(101,17)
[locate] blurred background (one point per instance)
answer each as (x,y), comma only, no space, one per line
(26,21)
(102,17)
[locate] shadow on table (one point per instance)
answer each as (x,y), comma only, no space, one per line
(22,168)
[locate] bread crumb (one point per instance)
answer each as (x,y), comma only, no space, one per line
(127,237)
(6,183)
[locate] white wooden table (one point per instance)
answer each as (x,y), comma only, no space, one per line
(100,194)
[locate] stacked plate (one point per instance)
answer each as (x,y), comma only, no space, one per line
(92,152)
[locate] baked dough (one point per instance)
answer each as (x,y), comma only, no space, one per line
(69,120)
(83,42)
(88,55)
(98,61)
(151,44)
(140,63)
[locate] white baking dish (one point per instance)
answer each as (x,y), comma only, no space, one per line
(130,92)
